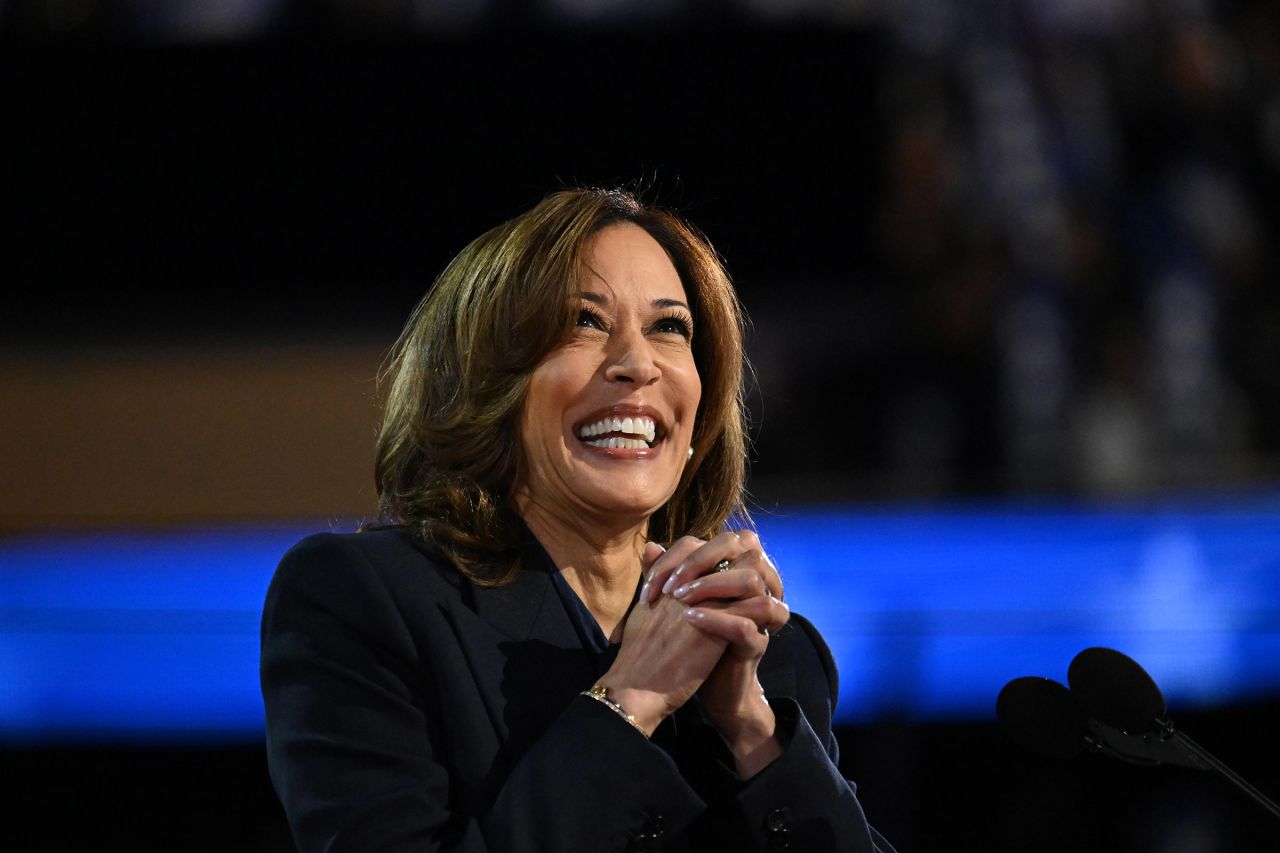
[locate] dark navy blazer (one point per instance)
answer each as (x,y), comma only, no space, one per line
(411,710)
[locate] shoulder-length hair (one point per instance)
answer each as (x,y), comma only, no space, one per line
(448,453)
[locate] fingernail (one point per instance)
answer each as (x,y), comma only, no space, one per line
(684,589)
(671,582)
(693,614)
(644,592)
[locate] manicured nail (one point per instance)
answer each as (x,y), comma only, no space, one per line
(684,589)
(693,614)
(671,582)
(644,592)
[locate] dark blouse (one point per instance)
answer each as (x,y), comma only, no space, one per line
(598,648)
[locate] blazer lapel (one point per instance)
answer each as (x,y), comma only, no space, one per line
(518,610)
(526,658)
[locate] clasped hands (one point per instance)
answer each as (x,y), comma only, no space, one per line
(701,625)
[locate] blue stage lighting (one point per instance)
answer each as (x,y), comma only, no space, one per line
(140,637)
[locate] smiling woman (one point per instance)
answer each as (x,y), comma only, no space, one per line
(447,452)
(626,374)
(551,641)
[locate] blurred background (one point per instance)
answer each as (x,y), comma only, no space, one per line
(1015,348)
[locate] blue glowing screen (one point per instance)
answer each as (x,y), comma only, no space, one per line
(154,636)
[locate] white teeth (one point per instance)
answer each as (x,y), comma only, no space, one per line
(616,443)
(640,426)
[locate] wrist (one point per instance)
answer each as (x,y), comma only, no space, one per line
(751,721)
(646,708)
(752,738)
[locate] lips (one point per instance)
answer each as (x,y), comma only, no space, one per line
(621,428)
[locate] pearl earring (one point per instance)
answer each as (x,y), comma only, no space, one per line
(690,452)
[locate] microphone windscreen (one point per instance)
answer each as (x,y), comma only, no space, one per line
(1115,690)
(1042,716)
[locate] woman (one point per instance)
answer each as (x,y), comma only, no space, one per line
(511,660)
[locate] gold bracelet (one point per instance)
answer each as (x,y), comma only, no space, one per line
(600,693)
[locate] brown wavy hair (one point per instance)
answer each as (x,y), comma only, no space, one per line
(448,450)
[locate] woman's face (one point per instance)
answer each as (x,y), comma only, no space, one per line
(608,420)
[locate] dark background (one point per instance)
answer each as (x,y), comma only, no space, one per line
(322,184)
(872,187)
(987,291)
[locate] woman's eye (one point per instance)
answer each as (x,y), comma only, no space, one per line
(589,319)
(674,325)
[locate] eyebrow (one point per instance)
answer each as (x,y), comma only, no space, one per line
(601,299)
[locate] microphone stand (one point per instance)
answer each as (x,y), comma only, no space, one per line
(1202,755)
(1165,745)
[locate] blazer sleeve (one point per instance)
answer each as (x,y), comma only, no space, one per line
(801,801)
(356,755)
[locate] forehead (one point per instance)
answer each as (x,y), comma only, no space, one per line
(624,262)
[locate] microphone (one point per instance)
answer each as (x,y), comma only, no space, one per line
(1042,716)
(1126,710)
(1114,689)
(1113,708)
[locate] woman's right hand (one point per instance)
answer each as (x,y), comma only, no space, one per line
(663,659)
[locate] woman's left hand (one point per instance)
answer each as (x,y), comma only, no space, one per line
(732,591)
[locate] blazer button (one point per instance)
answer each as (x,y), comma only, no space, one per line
(649,841)
(777,826)
(645,843)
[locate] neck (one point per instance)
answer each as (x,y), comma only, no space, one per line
(602,565)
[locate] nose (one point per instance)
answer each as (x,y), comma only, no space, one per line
(630,359)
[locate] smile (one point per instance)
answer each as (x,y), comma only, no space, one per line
(616,432)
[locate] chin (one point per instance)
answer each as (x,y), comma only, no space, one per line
(623,509)
(639,504)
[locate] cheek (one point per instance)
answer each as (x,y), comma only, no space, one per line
(536,410)
(553,386)
(691,389)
